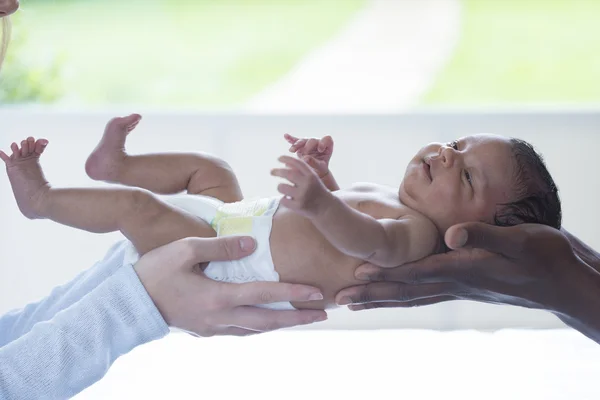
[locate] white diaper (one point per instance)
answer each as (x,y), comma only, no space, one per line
(247,217)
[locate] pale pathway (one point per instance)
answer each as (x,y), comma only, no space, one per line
(382,62)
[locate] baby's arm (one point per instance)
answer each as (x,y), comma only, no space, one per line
(316,153)
(385,242)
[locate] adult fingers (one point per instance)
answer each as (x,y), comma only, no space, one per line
(255,293)
(264,320)
(405,304)
(200,250)
(443,267)
(235,331)
(507,241)
(387,291)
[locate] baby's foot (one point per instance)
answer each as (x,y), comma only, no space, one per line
(107,158)
(26,177)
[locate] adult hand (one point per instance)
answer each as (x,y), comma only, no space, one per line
(8,7)
(190,301)
(528,265)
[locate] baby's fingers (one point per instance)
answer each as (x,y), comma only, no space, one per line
(4,157)
(290,203)
(287,190)
(285,173)
(315,164)
(310,147)
(291,139)
(296,164)
(298,145)
(325,143)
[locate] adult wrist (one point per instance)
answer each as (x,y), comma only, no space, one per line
(579,300)
(583,251)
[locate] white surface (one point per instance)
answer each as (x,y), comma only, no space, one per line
(401,364)
(38,255)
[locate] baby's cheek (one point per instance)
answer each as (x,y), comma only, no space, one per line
(456,213)
(475,214)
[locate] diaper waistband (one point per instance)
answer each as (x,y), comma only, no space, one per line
(239,218)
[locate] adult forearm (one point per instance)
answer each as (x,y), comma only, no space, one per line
(18,322)
(61,357)
(351,232)
(583,251)
(580,302)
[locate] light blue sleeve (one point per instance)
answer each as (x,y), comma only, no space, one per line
(18,322)
(60,357)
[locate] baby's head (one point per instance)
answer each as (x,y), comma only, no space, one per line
(485,178)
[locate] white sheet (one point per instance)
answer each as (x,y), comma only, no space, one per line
(394,364)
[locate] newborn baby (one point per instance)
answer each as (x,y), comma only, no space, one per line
(315,233)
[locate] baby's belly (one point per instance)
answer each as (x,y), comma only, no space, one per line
(302,255)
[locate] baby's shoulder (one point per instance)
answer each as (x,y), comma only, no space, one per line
(379,201)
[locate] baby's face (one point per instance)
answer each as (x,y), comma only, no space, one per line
(459,181)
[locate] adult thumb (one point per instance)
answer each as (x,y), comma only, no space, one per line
(479,235)
(222,248)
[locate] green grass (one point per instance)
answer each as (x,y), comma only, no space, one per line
(523,51)
(201,53)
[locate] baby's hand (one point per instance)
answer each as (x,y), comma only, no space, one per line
(315,152)
(308,195)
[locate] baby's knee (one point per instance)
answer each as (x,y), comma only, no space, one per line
(220,168)
(218,178)
(143,201)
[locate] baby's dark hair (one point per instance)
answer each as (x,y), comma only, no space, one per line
(537,193)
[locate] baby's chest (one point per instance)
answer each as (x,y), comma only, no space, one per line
(377,205)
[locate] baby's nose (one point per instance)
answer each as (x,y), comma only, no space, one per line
(447,157)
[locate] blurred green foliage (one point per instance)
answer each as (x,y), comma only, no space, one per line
(523,52)
(211,54)
(25,79)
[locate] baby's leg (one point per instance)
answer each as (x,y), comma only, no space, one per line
(137,213)
(160,173)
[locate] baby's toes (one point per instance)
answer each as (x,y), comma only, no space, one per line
(132,121)
(4,157)
(16,151)
(24,148)
(40,146)
(31,144)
